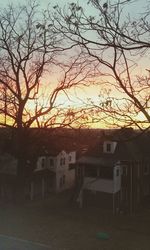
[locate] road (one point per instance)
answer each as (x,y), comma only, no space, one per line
(11,243)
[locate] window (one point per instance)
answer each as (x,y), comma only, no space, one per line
(108,147)
(43,163)
(124,171)
(117,172)
(62,181)
(71,166)
(61,161)
(70,158)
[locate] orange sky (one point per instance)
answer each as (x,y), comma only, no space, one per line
(81,94)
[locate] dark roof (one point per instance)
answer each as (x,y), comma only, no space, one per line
(41,173)
(137,148)
(48,152)
(143,143)
(127,150)
(95,161)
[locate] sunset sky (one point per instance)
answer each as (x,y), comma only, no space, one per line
(138,6)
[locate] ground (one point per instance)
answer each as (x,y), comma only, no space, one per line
(55,222)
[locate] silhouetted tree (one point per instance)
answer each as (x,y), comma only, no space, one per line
(31,54)
(119,43)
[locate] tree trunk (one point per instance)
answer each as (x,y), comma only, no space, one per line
(21,154)
(20,182)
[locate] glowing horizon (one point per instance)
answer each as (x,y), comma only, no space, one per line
(80,96)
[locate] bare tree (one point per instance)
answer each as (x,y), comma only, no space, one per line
(119,43)
(31,54)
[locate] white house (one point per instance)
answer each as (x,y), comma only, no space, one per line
(115,174)
(101,179)
(61,165)
(105,185)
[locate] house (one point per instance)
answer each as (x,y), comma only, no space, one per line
(59,170)
(115,173)
(53,171)
(8,177)
(8,172)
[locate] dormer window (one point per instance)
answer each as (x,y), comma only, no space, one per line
(108,147)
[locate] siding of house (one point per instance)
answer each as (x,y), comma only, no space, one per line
(135,185)
(64,177)
(129,185)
